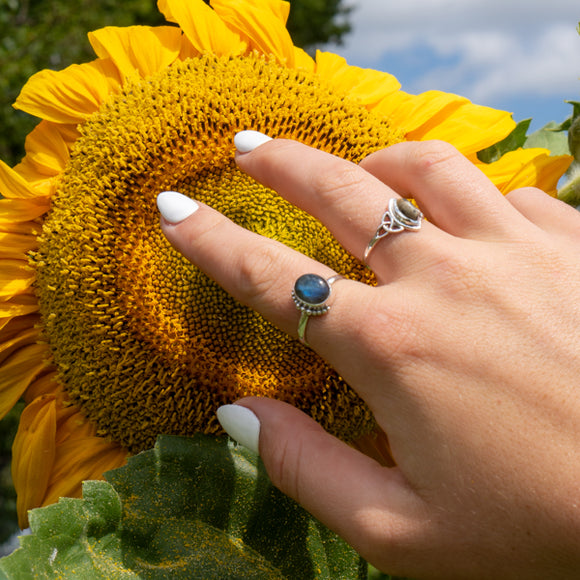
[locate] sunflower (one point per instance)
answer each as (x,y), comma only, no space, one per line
(108,335)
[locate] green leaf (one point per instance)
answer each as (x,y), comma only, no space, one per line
(574,138)
(513,141)
(551,137)
(570,190)
(189,508)
(76,538)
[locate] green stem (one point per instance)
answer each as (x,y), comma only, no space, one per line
(570,191)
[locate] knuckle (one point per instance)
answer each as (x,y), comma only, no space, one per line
(434,156)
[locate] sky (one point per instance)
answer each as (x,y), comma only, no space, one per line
(521,56)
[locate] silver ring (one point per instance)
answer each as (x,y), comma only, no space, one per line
(401,215)
(310,294)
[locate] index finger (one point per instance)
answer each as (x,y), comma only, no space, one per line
(261,273)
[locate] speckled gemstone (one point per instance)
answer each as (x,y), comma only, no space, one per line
(312,289)
(408,209)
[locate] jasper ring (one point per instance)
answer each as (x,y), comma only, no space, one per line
(401,215)
(310,294)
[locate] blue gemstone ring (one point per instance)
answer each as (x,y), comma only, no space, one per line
(310,294)
(400,216)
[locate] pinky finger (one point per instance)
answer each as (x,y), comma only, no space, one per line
(548,213)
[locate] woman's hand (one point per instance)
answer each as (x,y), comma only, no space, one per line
(468,353)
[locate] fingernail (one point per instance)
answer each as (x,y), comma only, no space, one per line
(246,141)
(175,207)
(241,425)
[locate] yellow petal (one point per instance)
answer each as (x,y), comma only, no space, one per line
(15,245)
(527,167)
(79,459)
(48,149)
(143,49)
(470,128)
(17,371)
(303,61)
(10,329)
(45,384)
(23,228)
(73,425)
(18,306)
(451,118)
(33,455)
(411,112)
(69,95)
(15,276)
(548,171)
(368,86)
(187,49)
(203,27)
(14,337)
(13,211)
(47,152)
(262,22)
(13,185)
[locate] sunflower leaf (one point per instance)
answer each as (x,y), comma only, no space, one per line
(189,508)
(75,538)
(552,137)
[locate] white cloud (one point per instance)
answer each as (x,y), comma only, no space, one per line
(485,50)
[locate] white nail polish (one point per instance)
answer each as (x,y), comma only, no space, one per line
(246,141)
(241,425)
(175,207)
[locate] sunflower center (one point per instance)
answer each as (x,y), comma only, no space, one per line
(143,341)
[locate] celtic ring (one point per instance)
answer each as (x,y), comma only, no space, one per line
(310,294)
(401,215)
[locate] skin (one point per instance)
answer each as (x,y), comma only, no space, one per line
(467,353)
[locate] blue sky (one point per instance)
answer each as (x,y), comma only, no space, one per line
(522,56)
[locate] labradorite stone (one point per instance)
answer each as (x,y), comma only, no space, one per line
(312,289)
(408,209)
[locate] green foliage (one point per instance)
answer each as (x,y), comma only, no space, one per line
(552,136)
(189,508)
(572,125)
(313,23)
(570,191)
(39,34)
(558,138)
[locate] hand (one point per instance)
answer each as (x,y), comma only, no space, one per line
(467,353)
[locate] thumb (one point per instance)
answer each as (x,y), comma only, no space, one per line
(370,506)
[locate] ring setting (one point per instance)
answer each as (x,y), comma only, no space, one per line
(310,294)
(401,215)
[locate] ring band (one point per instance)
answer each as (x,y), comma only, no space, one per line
(401,215)
(310,294)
